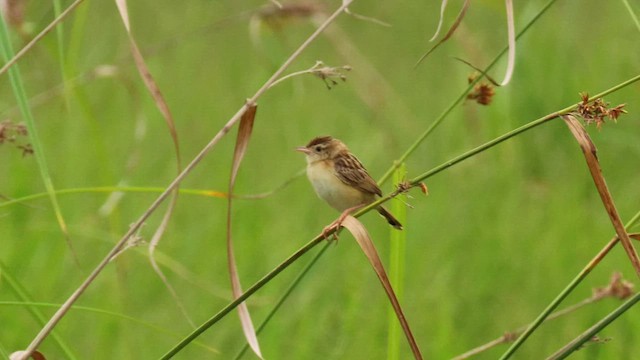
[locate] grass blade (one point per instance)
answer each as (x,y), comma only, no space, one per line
(38,150)
(396,264)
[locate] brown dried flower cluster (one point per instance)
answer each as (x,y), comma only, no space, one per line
(482,93)
(10,132)
(618,288)
(597,111)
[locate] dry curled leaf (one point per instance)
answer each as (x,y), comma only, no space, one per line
(242,141)
(449,33)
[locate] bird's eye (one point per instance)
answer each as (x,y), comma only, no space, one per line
(318,148)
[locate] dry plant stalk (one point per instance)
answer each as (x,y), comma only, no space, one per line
(64,308)
(589,151)
(39,37)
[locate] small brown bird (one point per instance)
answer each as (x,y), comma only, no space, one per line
(339,178)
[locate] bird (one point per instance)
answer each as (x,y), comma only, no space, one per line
(340,179)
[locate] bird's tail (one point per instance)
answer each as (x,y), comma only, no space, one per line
(390,219)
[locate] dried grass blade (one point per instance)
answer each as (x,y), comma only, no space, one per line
(511,36)
(244,134)
(443,7)
(361,235)
(449,33)
(163,107)
(589,151)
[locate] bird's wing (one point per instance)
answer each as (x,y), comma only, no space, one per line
(351,172)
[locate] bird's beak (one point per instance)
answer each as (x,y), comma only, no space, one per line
(303,149)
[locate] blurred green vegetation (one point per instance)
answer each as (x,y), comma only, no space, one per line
(498,237)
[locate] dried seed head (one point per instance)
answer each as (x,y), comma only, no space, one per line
(11,132)
(597,110)
(482,93)
(618,288)
(329,73)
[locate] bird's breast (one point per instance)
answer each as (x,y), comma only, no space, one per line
(329,187)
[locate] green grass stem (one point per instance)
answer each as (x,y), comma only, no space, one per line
(565,292)
(284,296)
(397,249)
(595,329)
(459,99)
(32,305)
(24,297)
(38,149)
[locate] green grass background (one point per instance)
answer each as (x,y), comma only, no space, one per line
(498,237)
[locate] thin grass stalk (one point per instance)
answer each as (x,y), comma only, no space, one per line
(566,291)
(590,333)
(141,189)
(13,60)
(22,294)
(117,316)
(418,179)
(510,335)
(285,296)
(156,203)
(460,99)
